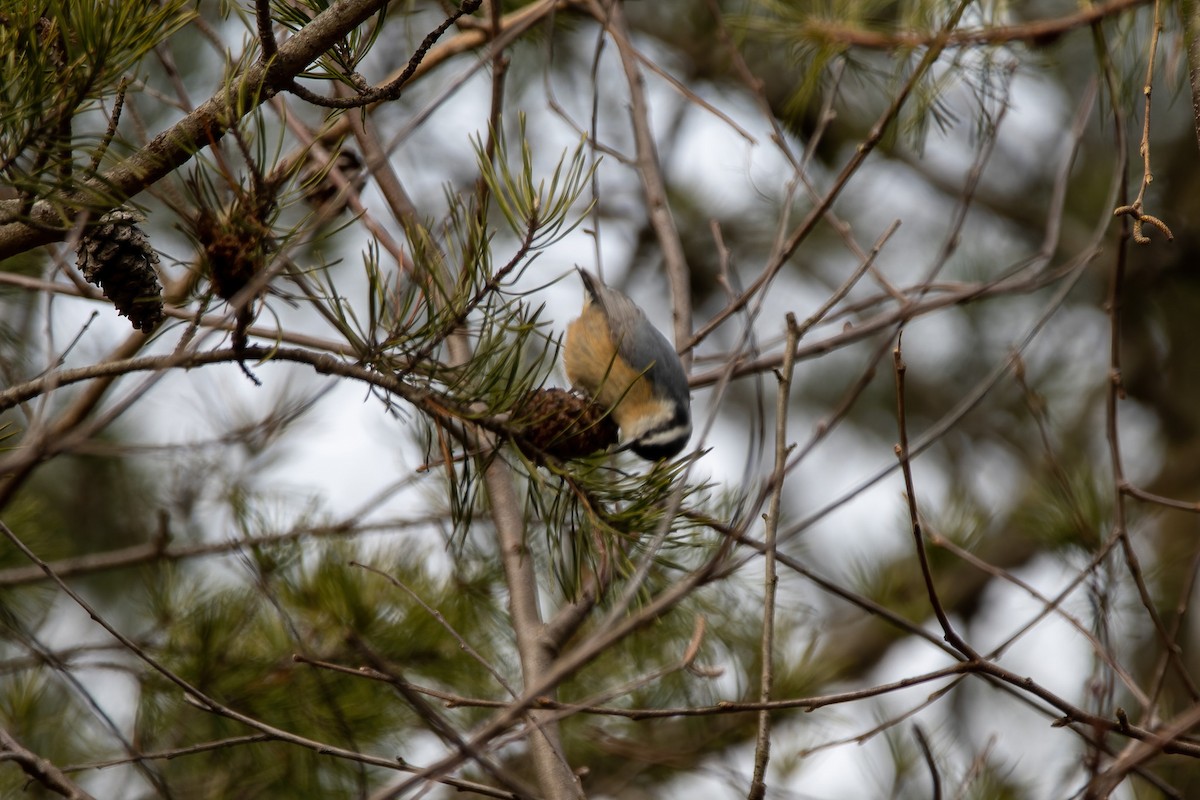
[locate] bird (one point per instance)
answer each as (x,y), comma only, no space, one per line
(623,363)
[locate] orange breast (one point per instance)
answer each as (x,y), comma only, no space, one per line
(590,358)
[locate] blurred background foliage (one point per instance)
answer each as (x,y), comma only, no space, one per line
(310,578)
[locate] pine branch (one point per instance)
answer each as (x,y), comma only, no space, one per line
(49,219)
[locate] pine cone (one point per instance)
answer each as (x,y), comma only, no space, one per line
(563,424)
(116,256)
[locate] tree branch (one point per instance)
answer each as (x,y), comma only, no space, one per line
(39,769)
(52,217)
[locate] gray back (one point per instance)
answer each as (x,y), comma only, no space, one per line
(637,340)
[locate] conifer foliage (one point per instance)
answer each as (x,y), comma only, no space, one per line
(331,521)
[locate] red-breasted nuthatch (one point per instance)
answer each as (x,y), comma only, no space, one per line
(624,363)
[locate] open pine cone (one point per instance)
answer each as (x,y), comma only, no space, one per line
(116,255)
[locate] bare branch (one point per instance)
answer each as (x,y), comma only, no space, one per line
(762,746)
(39,769)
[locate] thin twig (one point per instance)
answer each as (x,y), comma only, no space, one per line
(392,89)
(951,636)
(1134,209)
(721,708)
(1035,32)
(463,644)
(934,776)
(156,552)
(1182,604)
(173,753)
(113,120)
(762,745)
(266,36)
